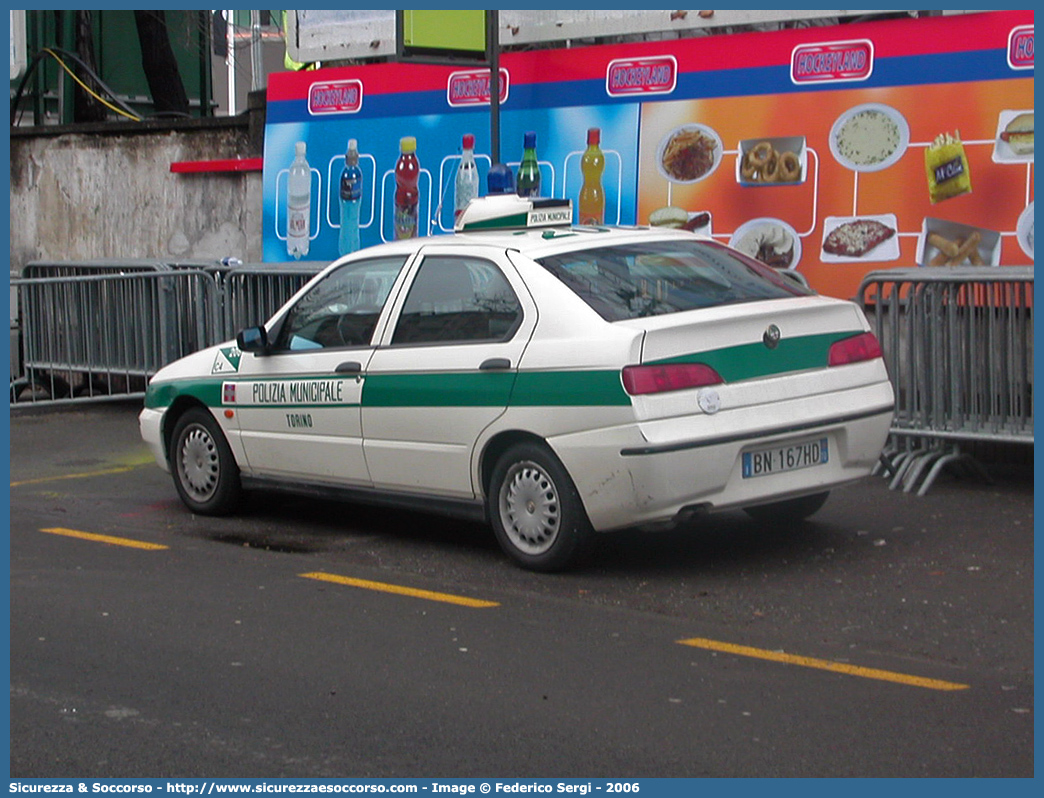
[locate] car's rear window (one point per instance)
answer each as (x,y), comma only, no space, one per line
(631,281)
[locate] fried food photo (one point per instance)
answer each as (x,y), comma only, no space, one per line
(956,252)
(689,154)
(945,242)
(771,161)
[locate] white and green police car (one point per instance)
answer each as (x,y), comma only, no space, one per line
(556,381)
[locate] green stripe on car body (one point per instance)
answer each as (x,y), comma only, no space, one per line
(591,388)
(751,361)
(207,391)
(469,389)
(569,389)
(433,389)
(438,389)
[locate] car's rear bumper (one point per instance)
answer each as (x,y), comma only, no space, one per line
(657,471)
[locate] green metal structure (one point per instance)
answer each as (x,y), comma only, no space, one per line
(107,44)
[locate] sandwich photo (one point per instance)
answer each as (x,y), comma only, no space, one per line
(1018,133)
(671,216)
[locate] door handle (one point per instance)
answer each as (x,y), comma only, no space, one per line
(349,367)
(495,364)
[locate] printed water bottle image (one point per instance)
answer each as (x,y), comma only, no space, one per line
(591,204)
(298,204)
(467,185)
(351,200)
(407,196)
(527,184)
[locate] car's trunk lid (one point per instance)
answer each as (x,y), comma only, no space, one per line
(763,351)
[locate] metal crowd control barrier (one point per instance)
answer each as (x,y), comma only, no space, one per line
(252,292)
(42,269)
(958,343)
(99,336)
(98,330)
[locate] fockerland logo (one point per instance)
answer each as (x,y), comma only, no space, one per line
(472,87)
(832,61)
(1020,47)
(655,75)
(335,97)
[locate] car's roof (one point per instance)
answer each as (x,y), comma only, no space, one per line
(536,227)
(536,243)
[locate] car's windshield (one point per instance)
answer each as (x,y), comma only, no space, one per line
(630,281)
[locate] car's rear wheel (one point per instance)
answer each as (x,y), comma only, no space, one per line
(790,510)
(205,472)
(536,510)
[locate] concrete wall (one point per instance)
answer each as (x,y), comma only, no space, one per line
(107,192)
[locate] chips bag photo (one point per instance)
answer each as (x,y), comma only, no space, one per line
(946,165)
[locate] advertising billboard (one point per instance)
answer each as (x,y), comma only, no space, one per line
(833,151)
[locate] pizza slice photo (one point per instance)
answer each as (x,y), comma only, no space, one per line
(859,238)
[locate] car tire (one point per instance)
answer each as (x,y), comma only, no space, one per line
(205,472)
(790,510)
(535,509)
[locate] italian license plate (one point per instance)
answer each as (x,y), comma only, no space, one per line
(790,457)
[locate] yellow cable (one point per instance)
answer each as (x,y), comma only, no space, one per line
(87,88)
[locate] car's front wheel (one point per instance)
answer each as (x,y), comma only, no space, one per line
(205,472)
(535,509)
(790,510)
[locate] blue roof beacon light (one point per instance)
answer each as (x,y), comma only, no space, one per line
(500,180)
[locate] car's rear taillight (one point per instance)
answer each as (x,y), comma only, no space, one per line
(639,380)
(855,349)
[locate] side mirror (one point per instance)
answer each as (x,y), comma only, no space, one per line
(253,339)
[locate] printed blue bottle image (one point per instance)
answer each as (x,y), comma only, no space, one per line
(351,200)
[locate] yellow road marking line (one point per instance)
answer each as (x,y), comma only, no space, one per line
(132,544)
(823,664)
(383,587)
(83,475)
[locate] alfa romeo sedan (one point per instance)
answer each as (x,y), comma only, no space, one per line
(554,381)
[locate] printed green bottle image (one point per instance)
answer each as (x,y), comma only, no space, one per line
(527,184)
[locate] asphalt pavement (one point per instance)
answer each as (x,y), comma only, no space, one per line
(890,635)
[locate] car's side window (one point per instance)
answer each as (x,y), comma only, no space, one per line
(458,299)
(342,310)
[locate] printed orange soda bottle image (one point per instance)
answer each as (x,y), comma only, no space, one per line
(591,205)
